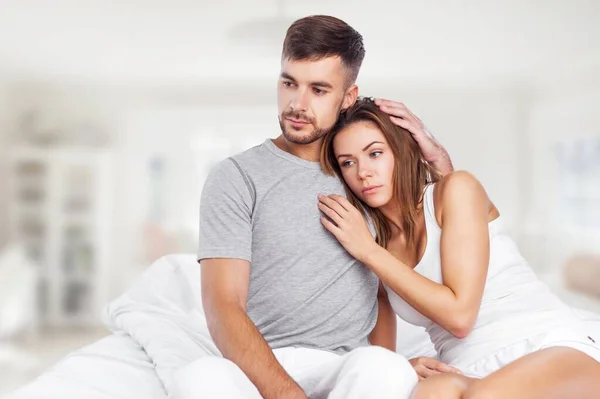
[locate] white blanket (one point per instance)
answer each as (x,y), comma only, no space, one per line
(113,367)
(163,312)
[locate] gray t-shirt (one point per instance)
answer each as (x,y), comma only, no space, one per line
(305,289)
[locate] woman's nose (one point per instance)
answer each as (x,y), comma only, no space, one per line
(363,173)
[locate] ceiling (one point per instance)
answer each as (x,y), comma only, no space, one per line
(186,41)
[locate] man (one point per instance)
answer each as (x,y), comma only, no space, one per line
(289,309)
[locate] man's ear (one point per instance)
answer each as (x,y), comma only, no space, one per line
(350,97)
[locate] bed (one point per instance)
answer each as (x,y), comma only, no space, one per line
(158,326)
(114,367)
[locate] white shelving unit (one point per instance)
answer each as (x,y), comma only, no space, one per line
(60,208)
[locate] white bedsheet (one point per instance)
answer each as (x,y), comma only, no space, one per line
(115,367)
(163,311)
(162,314)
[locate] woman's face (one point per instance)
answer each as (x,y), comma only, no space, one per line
(366,162)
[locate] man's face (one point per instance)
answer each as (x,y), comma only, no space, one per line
(310,95)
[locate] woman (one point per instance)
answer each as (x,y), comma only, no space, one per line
(447,263)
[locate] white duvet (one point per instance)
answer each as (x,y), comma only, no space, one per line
(115,367)
(162,314)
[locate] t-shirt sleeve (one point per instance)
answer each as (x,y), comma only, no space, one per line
(225,214)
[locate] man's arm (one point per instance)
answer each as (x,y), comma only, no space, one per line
(433,152)
(442,163)
(224,294)
(225,252)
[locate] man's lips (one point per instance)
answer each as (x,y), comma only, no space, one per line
(297,122)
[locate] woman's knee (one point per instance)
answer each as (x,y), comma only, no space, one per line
(441,386)
(480,392)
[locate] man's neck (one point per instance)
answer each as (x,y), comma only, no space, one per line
(309,152)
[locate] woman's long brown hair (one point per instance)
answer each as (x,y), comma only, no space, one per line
(411,172)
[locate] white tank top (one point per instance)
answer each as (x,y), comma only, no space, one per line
(515,304)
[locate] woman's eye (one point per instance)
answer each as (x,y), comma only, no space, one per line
(345,164)
(375,154)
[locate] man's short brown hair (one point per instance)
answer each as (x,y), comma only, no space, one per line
(319,36)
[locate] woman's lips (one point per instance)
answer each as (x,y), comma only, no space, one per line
(370,190)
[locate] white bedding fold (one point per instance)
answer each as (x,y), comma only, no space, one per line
(162,311)
(115,367)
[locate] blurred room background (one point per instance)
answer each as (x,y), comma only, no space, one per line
(111,114)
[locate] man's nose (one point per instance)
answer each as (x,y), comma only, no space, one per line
(300,101)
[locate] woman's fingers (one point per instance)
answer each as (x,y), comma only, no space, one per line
(333,215)
(333,205)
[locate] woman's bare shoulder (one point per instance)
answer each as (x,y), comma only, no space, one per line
(457,187)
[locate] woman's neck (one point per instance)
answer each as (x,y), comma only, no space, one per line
(393,214)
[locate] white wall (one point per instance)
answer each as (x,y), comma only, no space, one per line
(561,118)
(563,114)
(190,139)
(489,131)
(183,41)
(482,129)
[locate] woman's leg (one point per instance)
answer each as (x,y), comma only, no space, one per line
(552,373)
(442,386)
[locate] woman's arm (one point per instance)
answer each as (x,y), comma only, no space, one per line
(384,333)
(453,305)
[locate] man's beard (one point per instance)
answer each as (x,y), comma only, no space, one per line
(313,136)
(316,134)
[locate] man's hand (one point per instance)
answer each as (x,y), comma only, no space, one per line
(426,367)
(433,152)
